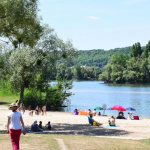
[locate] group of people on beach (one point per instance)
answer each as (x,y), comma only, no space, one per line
(90,115)
(38,109)
(94,112)
(39,128)
(111,121)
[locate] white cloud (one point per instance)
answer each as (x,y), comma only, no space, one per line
(93,18)
(134,1)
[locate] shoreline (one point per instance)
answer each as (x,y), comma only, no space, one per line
(67,112)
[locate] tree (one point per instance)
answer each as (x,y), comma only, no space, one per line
(147,49)
(106,74)
(136,50)
(77,72)
(23,64)
(19,22)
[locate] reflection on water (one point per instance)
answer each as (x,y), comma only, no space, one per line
(88,94)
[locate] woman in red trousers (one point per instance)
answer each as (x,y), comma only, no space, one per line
(14,126)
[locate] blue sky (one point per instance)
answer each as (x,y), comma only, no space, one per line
(98,24)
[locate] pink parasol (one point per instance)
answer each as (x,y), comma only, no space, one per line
(118,107)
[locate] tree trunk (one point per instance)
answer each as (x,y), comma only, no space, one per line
(22,91)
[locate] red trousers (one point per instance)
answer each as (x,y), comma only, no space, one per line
(15,137)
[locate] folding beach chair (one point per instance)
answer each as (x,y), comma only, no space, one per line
(90,121)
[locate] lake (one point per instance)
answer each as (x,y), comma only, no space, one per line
(89,94)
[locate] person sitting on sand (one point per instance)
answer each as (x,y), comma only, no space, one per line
(48,125)
(99,113)
(94,112)
(120,116)
(130,116)
(35,127)
(95,123)
(40,125)
(112,121)
(75,112)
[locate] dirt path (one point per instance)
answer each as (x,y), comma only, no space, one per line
(61,144)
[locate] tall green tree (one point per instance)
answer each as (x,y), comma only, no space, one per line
(147,49)
(136,50)
(19,22)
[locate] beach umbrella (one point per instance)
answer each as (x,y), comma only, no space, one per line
(130,109)
(98,108)
(118,107)
(109,108)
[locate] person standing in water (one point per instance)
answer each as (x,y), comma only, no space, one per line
(14,126)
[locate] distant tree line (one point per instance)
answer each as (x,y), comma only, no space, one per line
(132,68)
(99,57)
(77,72)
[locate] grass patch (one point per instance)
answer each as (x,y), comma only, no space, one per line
(49,142)
(7,100)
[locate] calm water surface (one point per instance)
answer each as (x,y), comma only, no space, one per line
(89,94)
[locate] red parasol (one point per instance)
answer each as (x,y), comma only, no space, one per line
(118,107)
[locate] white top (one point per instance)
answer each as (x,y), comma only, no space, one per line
(112,121)
(15,120)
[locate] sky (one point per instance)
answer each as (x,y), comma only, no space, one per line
(98,24)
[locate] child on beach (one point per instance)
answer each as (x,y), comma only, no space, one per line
(37,110)
(40,125)
(99,113)
(112,121)
(48,125)
(30,111)
(14,126)
(44,110)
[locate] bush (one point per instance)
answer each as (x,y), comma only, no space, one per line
(30,98)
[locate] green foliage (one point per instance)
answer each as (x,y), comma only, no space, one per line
(97,58)
(122,68)
(6,88)
(57,94)
(113,72)
(19,21)
(147,49)
(136,50)
(31,96)
(54,95)
(29,60)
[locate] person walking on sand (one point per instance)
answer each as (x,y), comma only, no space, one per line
(23,108)
(44,110)
(14,126)
(17,102)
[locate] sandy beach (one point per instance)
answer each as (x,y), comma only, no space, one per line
(67,123)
